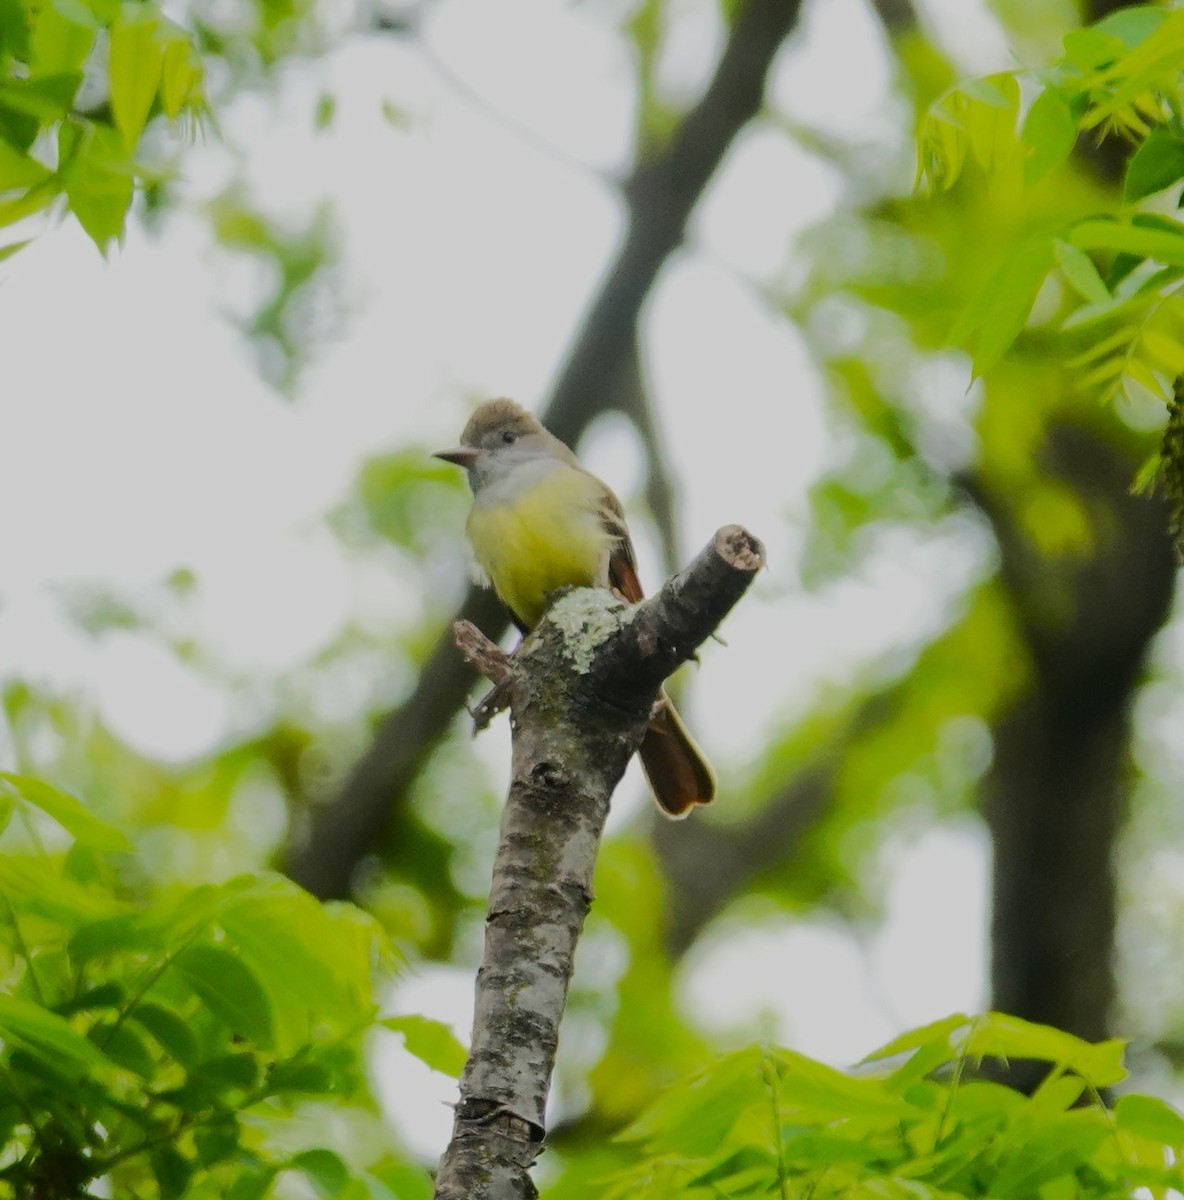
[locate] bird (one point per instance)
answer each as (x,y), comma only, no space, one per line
(540,522)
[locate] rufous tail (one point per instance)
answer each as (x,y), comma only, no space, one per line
(679,776)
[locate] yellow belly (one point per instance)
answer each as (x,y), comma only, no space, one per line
(549,537)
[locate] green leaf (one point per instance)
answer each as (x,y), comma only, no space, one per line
(1132,26)
(432,1042)
(225,1073)
(936,1033)
(1147,475)
(104,995)
(180,77)
(70,814)
(1100,233)
(7,252)
(1000,1035)
(1049,1151)
(1090,48)
(14,30)
(1079,270)
(49,1037)
(1091,314)
(1058,1093)
(99,180)
(820,1089)
(63,33)
(316,960)
(1149,65)
(299,1074)
(1049,133)
(123,1046)
(18,170)
(994,319)
(33,201)
(123,933)
(252,1185)
(695,1117)
(32,885)
(1150,1117)
(406,1181)
(324,1170)
(1157,164)
(1163,350)
(172,1170)
(216,1141)
(48,98)
(137,59)
(170,1031)
(229,990)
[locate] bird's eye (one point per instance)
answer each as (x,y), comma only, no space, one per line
(509,437)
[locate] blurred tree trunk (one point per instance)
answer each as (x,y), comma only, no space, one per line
(1056,793)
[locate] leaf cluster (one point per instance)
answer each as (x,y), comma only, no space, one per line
(160,1045)
(79,81)
(1121,76)
(919,1118)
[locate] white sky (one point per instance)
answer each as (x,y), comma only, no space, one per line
(138,437)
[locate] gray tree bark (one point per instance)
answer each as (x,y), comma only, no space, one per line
(581,689)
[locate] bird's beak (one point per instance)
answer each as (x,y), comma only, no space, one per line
(463,456)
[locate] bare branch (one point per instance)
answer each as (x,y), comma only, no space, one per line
(584,683)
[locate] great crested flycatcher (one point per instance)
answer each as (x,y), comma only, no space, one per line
(541,522)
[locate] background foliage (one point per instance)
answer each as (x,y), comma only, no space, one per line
(180,1020)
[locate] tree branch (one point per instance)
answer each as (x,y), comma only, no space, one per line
(584,684)
(662,193)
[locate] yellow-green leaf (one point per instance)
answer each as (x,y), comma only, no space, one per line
(18,170)
(1165,351)
(1079,270)
(1005,1036)
(1048,135)
(1162,245)
(99,180)
(432,1042)
(993,320)
(48,1036)
(63,33)
(1146,1116)
(33,201)
(69,813)
(1157,164)
(230,991)
(180,76)
(137,58)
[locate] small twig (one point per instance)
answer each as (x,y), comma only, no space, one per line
(489,659)
(486,657)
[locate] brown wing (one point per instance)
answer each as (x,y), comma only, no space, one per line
(679,776)
(622,562)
